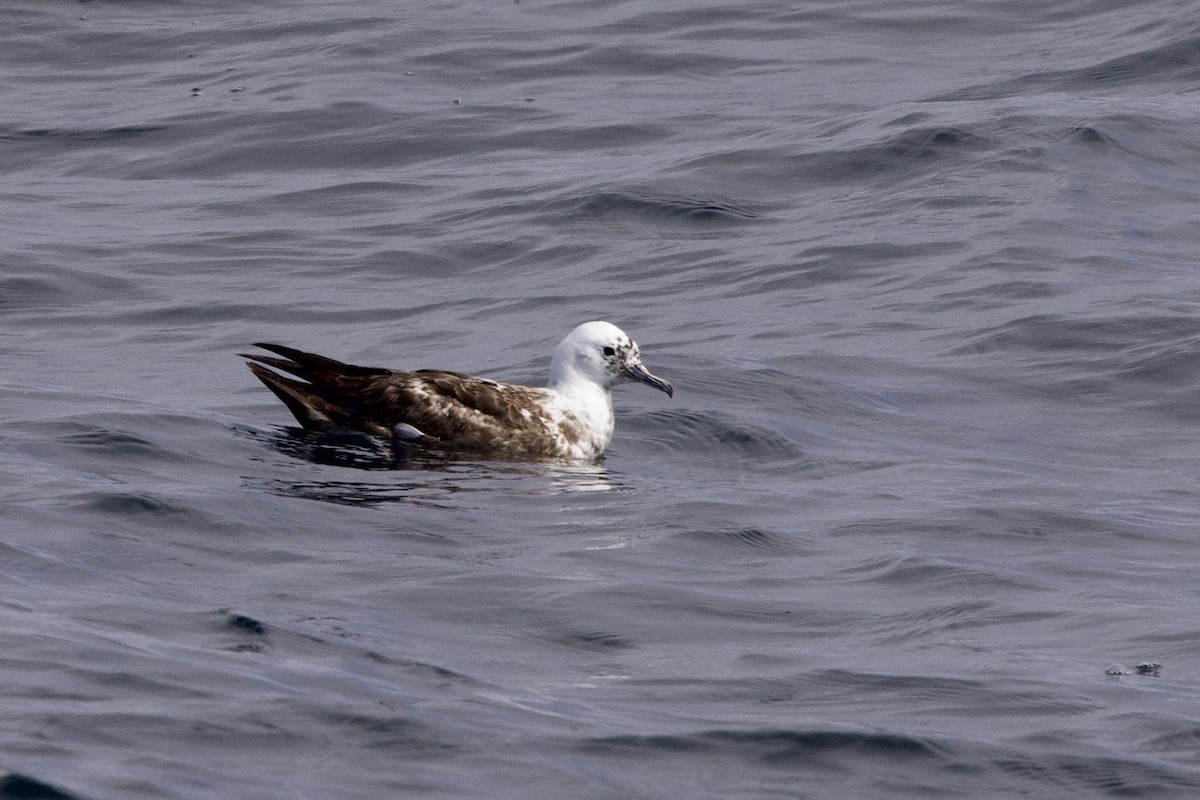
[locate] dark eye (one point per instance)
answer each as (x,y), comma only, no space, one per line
(609,351)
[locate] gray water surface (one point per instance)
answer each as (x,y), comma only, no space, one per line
(924,276)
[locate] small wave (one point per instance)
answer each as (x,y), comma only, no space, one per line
(1141,358)
(116,444)
(658,205)
(127,503)
(1052,333)
(1178,63)
(592,640)
(52,285)
(772,746)
(909,150)
(135,509)
(712,434)
(77,135)
(746,541)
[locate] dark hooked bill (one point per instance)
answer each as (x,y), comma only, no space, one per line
(643,375)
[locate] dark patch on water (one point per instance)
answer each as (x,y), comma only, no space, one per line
(390,732)
(916,152)
(15,786)
(104,442)
(655,205)
(592,640)
(912,151)
(769,747)
(1088,134)
(247,624)
(77,136)
(744,541)
(142,508)
(351,493)
(116,441)
(134,504)
(18,291)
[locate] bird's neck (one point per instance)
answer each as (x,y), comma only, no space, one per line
(587,401)
(580,391)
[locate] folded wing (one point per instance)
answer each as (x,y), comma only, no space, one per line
(448,409)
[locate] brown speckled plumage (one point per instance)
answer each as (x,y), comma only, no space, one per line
(461,413)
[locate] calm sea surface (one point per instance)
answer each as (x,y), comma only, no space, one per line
(925,276)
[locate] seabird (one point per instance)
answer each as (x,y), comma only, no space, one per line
(571,418)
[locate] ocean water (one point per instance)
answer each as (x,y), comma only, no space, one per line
(919,522)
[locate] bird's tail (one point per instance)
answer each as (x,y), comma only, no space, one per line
(316,401)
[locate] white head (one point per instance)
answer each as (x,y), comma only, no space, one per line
(602,354)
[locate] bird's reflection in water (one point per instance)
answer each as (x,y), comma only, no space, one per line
(350,449)
(402,474)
